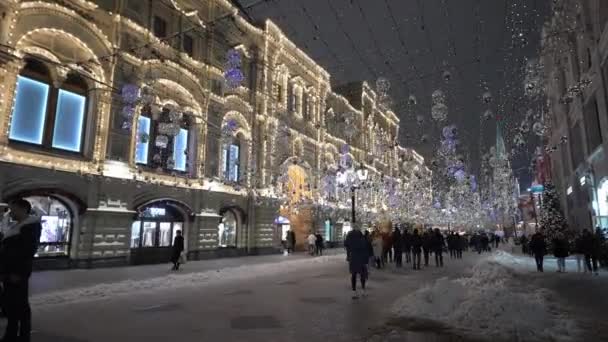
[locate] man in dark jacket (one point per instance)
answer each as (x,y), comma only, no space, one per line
(416,241)
(538,247)
(357,253)
(427,245)
(398,247)
(19,245)
(437,244)
(407,245)
(590,246)
(177,249)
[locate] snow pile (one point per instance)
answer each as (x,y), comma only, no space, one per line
(492,303)
(173,281)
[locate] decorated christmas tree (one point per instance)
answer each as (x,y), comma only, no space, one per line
(552,221)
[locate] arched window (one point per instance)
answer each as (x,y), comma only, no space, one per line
(163,141)
(231,155)
(56,226)
(227,229)
(46,116)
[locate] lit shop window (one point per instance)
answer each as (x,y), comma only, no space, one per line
(162,143)
(46,116)
(157,227)
(227,230)
(56,224)
(231,167)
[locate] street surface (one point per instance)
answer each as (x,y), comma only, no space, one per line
(268,298)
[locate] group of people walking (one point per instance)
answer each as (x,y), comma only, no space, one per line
(586,247)
(384,248)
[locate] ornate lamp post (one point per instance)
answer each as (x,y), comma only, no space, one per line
(353,179)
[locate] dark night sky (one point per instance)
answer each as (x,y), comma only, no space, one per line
(412,43)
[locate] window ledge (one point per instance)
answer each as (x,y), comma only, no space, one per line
(46,151)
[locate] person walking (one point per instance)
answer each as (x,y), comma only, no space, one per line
(426,246)
(397,247)
(291,241)
(437,245)
(407,245)
(319,245)
(312,243)
(460,244)
(560,251)
(538,247)
(377,245)
(450,243)
(177,249)
(357,253)
(579,254)
(387,247)
(417,243)
(591,245)
(19,245)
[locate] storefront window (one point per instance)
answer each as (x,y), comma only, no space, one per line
(227,230)
(156,227)
(56,226)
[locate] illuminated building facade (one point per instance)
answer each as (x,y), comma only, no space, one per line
(125,121)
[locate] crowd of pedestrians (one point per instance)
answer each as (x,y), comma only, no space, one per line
(586,247)
(402,245)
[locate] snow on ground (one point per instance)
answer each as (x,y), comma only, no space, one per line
(175,280)
(494,302)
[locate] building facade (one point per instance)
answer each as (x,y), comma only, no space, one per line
(117,122)
(575,58)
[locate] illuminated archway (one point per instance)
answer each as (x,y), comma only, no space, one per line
(297,207)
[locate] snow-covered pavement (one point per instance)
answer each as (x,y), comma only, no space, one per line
(492,297)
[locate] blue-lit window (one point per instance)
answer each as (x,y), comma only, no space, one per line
(231,168)
(29,114)
(49,117)
(180,147)
(69,119)
(143,140)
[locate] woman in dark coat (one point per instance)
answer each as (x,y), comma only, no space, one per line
(560,251)
(178,248)
(416,242)
(357,253)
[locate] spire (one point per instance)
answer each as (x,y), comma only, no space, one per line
(501,151)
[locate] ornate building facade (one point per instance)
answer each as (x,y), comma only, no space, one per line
(117,122)
(575,59)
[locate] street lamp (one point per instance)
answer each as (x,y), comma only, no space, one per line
(354,179)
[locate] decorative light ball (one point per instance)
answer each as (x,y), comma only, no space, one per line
(412,100)
(130,93)
(487,97)
(449,132)
(524,127)
(345,149)
(175,115)
(128,111)
(488,114)
(447,76)
(161,141)
(539,129)
(439,112)
(519,141)
(147,95)
(438,97)
(383,86)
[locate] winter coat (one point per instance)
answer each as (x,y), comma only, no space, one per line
(537,244)
(407,241)
(427,242)
(560,248)
(437,243)
(178,248)
(291,239)
(587,244)
(397,241)
(377,246)
(312,239)
(19,245)
(319,241)
(578,245)
(357,251)
(416,243)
